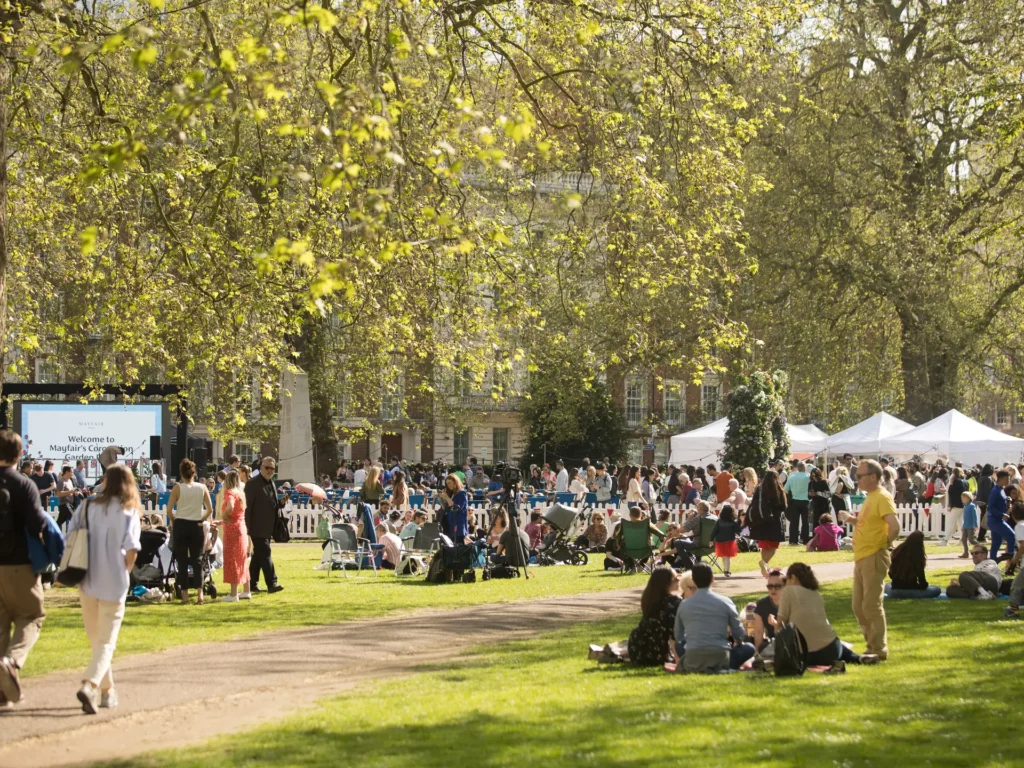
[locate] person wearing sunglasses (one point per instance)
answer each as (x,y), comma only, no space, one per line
(766,612)
(981,583)
(876,529)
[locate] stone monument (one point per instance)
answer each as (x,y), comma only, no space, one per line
(295,455)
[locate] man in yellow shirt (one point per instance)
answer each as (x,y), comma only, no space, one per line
(877,528)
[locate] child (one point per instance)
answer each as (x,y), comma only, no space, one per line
(724,535)
(826,536)
(970,524)
(534,530)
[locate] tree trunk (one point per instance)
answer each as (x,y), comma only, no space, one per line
(5,96)
(314,359)
(929,360)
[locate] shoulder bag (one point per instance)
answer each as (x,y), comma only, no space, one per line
(75,563)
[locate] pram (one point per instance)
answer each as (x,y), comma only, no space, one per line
(559,546)
(156,569)
(150,569)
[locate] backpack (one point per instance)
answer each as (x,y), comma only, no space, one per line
(504,572)
(790,652)
(912,494)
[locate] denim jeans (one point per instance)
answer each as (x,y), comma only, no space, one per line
(934,590)
(831,653)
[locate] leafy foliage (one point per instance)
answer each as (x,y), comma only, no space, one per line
(889,275)
(572,415)
(449,185)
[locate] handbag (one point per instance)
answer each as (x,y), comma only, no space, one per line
(75,563)
(281,532)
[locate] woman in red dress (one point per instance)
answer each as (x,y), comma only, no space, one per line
(236,538)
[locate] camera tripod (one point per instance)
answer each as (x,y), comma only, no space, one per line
(511,507)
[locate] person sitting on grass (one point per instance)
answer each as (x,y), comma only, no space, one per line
(703,626)
(727,527)
(826,537)
(1017,586)
(596,534)
(981,583)
(534,530)
(803,606)
(392,547)
(667,549)
(510,554)
(650,644)
(765,611)
(907,571)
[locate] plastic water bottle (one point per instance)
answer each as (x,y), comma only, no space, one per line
(748,618)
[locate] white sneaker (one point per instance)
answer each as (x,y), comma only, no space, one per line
(228,599)
(108,699)
(89,698)
(245,595)
(984,594)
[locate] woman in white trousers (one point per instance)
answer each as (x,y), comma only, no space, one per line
(112,519)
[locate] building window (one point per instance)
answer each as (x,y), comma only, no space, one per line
(636,451)
(674,403)
(499,444)
(636,402)
(391,400)
(246,452)
(461,446)
(47,371)
(1002,417)
(710,400)
(341,405)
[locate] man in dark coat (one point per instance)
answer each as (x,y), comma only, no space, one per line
(261,506)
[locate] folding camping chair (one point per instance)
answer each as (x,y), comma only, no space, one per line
(706,547)
(416,557)
(636,544)
(347,549)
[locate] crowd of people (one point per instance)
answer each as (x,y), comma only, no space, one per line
(109,514)
(686,623)
(683,618)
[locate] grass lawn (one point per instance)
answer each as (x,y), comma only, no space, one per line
(309,599)
(945,698)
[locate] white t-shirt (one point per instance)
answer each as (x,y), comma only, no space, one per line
(358,478)
(1018,533)
(562,482)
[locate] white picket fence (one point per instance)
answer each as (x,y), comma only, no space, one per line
(303,518)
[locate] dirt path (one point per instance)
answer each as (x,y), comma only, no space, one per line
(186,695)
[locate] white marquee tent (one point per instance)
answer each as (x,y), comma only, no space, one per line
(958,438)
(867,437)
(806,438)
(704,445)
(699,446)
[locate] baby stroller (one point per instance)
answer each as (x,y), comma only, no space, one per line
(207,563)
(559,546)
(151,570)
